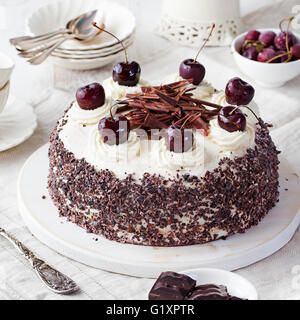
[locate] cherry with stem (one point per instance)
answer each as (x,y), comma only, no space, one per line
(191,68)
(124,73)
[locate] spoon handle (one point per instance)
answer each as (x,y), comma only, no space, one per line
(18,41)
(41,57)
(53,279)
(36,50)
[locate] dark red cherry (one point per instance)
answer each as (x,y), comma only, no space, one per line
(267,54)
(280,40)
(91,96)
(239,92)
(252,35)
(267,38)
(251,53)
(179,140)
(296,51)
(191,69)
(114,131)
(126,74)
(232,119)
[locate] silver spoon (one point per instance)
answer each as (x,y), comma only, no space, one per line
(82,30)
(27,42)
(53,279)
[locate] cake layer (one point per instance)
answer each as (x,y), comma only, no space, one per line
(155,210)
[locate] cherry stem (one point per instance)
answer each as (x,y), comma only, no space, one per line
(289,53)
(233,110)
(204,43)
(278,56)
(121,43)
(252,112)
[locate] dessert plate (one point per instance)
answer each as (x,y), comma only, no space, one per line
(85,64)
(17,123)
(98,54)
(41,217)
(236,284)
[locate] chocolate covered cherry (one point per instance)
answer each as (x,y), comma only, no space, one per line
(231,119)
(238,92)
(126,73)
(191,69)
(114,131)
(91,96)
(179,140)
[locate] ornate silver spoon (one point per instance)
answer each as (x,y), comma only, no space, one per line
(53,279)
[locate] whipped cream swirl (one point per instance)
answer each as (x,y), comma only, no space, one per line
(231,141)
(117,91)
(102,152)
(88,117)
(179,161)
(202,91)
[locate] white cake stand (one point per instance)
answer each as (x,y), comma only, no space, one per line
(41,217)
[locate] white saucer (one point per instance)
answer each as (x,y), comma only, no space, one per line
(41,217)
(237,286)
(17,123)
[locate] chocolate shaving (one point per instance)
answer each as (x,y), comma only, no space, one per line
(158,107)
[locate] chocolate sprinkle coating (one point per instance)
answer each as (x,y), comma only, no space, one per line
(158,212)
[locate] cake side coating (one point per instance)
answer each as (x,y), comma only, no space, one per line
(166,212)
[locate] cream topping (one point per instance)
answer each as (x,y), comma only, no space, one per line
(116,91)
(87,117)
(202,91)
(180,161)
(141,156)
(101,152)
(231,141)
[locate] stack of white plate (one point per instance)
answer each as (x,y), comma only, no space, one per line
(82,55)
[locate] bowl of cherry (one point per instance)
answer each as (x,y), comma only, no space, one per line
(271,57)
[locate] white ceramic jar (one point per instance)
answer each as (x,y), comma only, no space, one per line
(188,22)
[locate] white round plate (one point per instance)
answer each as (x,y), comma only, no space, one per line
(17,123)
(41,217)
(107,49)
(236,285)
(98,54)
(117,19)
(85,64)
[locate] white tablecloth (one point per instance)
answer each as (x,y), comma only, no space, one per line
(274,277)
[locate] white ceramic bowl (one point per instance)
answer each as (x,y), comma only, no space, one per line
(117,19)
(4,92)
(269,75)
(236,285)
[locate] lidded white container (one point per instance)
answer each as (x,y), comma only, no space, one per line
(188,22)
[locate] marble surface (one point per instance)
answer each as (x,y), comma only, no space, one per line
(50,90)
